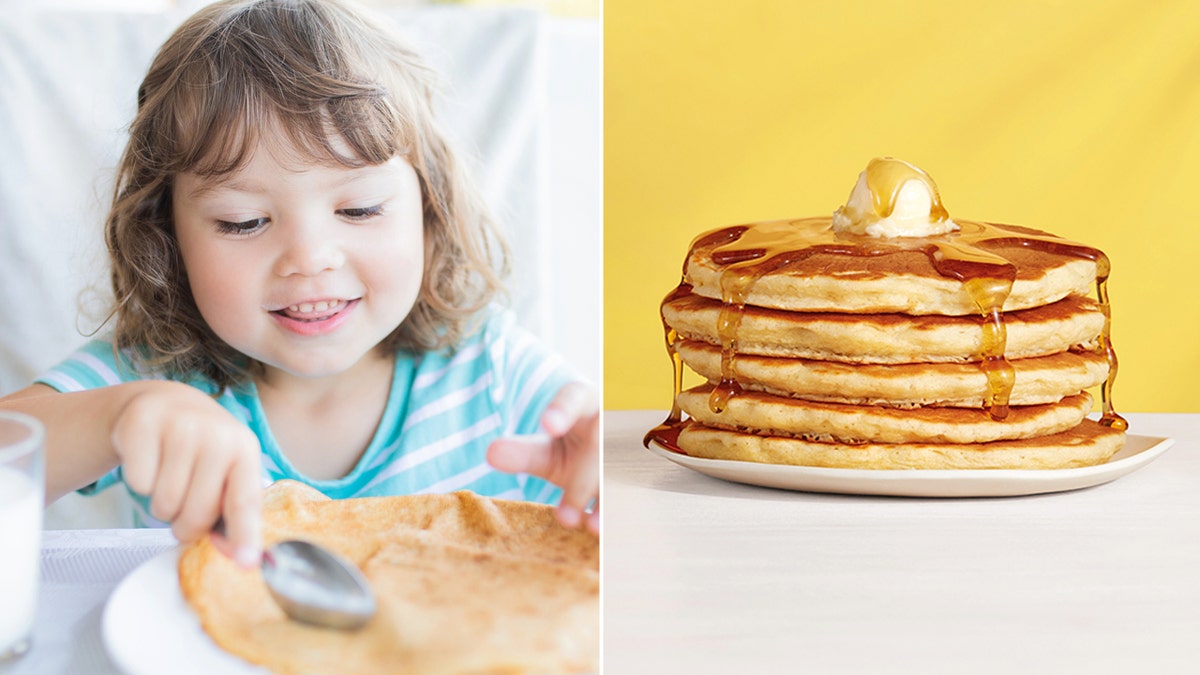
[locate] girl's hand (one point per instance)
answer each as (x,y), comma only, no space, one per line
(196,462)
(569,457)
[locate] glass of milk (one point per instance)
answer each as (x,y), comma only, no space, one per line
(22,439)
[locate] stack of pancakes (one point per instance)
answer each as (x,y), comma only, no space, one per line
(842,352)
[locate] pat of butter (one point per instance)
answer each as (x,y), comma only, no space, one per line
(893,198)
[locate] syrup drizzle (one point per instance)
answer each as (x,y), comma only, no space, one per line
(764,248)
(748,252)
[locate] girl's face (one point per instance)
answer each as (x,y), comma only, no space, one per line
(304,268)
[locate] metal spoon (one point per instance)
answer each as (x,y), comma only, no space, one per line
(315,585)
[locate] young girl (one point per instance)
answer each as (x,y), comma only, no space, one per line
(304,285)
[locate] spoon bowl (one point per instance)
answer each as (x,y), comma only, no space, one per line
(314,585)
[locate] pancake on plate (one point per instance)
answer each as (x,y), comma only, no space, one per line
(463,583)
(889,336)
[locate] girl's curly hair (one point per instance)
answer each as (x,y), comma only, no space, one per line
(312,69)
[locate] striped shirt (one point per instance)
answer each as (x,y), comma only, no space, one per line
(443,410)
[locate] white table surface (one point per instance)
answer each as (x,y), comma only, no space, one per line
(79,570)
(707,576)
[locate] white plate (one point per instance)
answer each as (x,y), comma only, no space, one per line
(149,629)
(1138,451)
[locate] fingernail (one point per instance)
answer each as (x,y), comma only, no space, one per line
(554,420)
(248,556)
(569,516)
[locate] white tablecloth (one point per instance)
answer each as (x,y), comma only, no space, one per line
(705,576)
(80,569)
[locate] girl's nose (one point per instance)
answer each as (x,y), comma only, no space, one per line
(307,249)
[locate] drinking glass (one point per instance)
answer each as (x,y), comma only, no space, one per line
(22,441)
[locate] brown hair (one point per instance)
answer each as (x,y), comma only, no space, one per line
(311,69)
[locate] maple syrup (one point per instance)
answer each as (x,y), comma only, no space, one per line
(747,253)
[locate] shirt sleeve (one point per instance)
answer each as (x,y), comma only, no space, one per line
(92,366)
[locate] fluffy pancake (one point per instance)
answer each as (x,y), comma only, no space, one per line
(1073,322)
(1045,379)
(903,282)
(891,336)
(774,415)
(464,584)
(1084,445)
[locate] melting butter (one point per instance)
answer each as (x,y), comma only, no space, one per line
(893,198)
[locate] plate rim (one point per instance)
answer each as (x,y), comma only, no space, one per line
(923,482)
(155,570)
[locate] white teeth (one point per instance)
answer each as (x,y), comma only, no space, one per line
(310,307)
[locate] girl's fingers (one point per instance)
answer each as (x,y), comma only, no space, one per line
(243,509)
(202,499)
(140,458)
(578,476)
(581,482)
(573,401)
(581,487)
(570,458)
(140,440)
(171,484)
(522,454)
(222,544)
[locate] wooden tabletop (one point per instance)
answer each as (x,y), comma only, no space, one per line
(707,576)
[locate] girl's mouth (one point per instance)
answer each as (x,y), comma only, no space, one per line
(316,311)
(316,318)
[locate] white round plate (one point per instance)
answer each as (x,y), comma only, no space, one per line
(149,629)
(1138,451)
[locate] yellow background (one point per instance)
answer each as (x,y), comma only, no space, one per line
(1078,118)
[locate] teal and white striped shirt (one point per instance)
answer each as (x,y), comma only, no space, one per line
(443,411)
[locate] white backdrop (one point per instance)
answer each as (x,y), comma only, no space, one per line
(522,94)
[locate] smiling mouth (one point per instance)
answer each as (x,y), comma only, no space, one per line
(315,311)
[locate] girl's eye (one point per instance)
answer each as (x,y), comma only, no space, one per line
(362,213)
(244,227)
